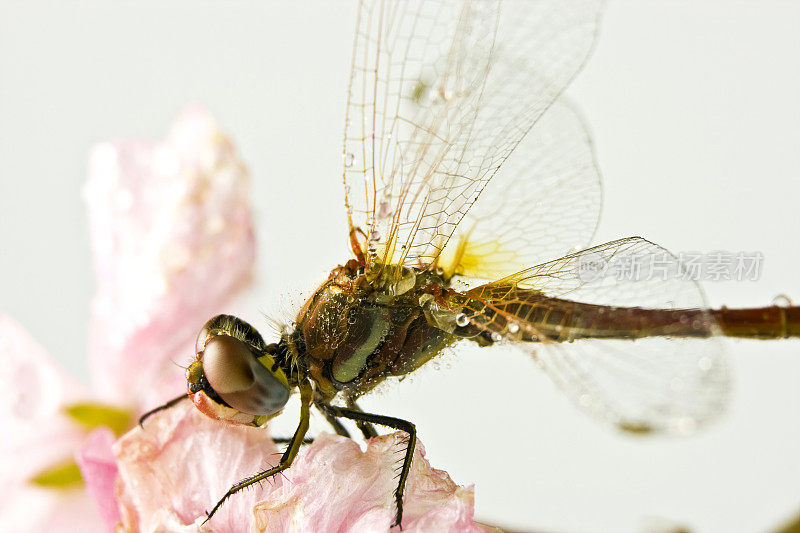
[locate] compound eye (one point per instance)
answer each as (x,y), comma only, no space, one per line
(226,363)
(237,376)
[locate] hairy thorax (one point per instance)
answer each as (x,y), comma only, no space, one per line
(361,327)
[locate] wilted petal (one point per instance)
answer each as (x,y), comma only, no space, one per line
(334,486)
(181,463)
(99,470)
(172,235)
(36,436)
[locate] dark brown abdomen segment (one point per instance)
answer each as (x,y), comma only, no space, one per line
(774,322)
(564,320)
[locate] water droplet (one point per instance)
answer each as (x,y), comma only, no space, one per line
(782,300)
(705,364)
(462,320)
(385,209)
(513,327)
(496,337)
(349,159)
(375,236)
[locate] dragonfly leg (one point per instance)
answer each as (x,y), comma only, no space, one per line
(390,422)
(285,440)
(367,429)
(337,426)
(286,459)
(167,405)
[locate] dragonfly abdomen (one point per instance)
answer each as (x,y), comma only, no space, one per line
(538,318)
(565,321)
(773,322)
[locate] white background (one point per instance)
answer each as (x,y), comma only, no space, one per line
(695,109)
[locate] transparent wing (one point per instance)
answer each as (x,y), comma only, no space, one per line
(543,203)
(440,95)
(648,381)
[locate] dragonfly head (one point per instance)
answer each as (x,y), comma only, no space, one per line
(234,377)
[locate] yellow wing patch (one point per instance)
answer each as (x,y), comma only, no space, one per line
(489,259)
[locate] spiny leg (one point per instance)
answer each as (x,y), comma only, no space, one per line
(367,429)
(288,456)
(394,423)
(167,405)
(284,440)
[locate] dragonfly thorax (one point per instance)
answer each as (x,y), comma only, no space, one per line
(355,332)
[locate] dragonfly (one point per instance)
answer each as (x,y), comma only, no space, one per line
(472,194)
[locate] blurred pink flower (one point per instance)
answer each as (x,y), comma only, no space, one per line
(172,236)
(99,469)
(38,438)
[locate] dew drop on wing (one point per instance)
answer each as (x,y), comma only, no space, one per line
(782,300)
(676,385)
(385,209)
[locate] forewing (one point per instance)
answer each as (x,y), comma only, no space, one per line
(440,95)
(650,384)
(543,203)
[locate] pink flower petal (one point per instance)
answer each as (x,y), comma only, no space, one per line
(172,234)
(35,436)
(334,486)
(181,463)
(99,470)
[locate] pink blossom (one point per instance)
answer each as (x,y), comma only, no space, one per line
(182,462)
(335,486)
(36,437)
(172,236)
(99,468)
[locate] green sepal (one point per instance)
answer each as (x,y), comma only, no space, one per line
(65,475)
(91,415)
